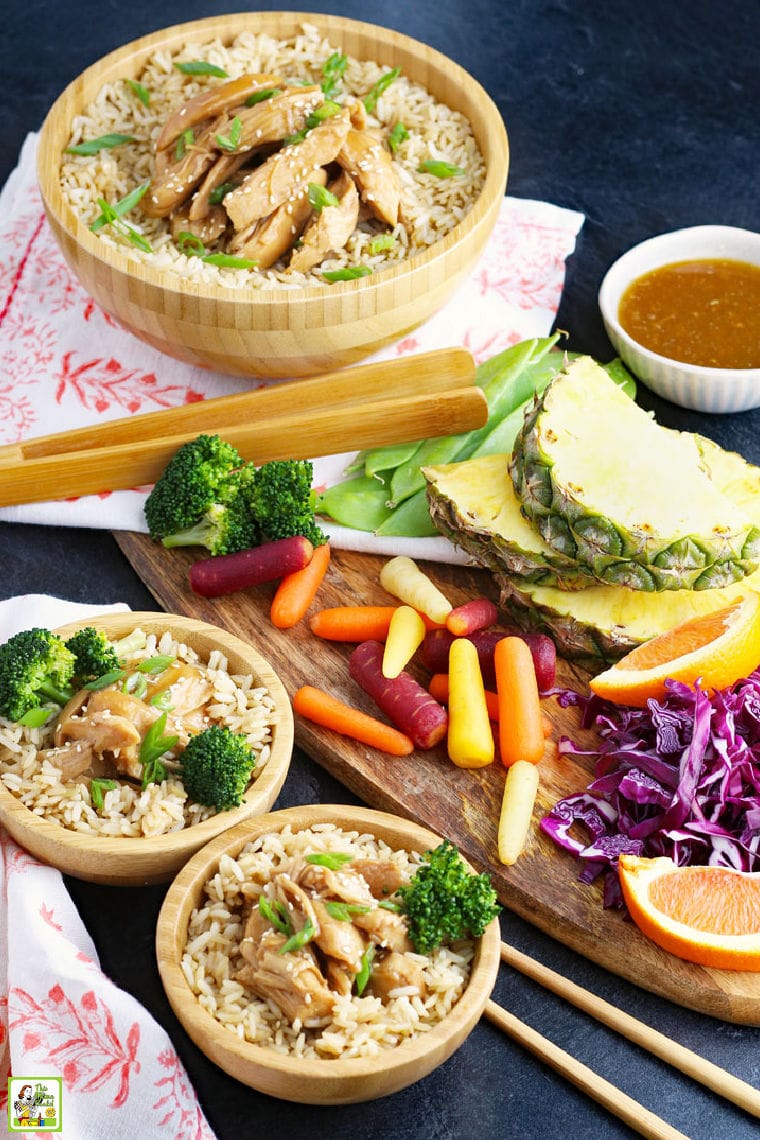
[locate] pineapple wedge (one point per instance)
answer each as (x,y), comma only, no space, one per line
(474,504)
(629,500)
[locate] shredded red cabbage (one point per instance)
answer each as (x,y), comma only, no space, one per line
(679,778)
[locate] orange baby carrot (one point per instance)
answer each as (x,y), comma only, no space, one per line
(521,729)
(297,591)
(352,623)
(322,708)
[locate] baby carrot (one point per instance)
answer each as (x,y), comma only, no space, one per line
(438,687)
(297,591)
(521,729)
(322,708)
(403,578)
(517,805)
(352,623)
(405,633)
(475,614)
(470,740)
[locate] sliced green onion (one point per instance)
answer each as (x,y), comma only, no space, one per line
(333,70)
(230,142)
(276,914)
(348,274)
(36,717)
(110,216)
(300,938)
(190,244)
(440,169)
(397,135)
(122,207)
(383,83)
(142,93)
(380,243)
(135,686)
(389,904)
(154,745)
(105,680)
(157,664)
(162,701)
(343,911)
(186,139)
(320,196)
(294,140)
(219,193)
(325,111)
(226,261)
(104,142)
(200,67)
(261,96)
(333,860)
(365,970)
(97,787)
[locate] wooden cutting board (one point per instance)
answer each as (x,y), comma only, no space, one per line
(461,804)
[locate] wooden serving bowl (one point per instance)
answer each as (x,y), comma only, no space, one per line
(299,1079)
(126,861)
(271,332)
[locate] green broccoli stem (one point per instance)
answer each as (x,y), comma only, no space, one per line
(197,535)
(60,696)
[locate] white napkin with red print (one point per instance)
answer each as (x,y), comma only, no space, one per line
(64,363)
(60,1016)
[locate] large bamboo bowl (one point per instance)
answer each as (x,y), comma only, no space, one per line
(273,332)
(299,1079)
(127,861)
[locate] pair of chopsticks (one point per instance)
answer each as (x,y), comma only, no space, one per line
(399,401)
(635,1115)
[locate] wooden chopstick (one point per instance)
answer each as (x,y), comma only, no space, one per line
(635,1115)
(698,1068)
(300,434)
(427,373)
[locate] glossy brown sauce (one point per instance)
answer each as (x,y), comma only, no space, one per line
(699,312)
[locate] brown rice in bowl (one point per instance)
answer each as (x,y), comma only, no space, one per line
(137,835)
(430,205)
(365,1046)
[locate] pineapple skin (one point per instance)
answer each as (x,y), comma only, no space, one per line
(474,505)
(642,560)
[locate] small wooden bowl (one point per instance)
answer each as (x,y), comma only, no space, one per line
(125,861)
(293,1078)
(271,332)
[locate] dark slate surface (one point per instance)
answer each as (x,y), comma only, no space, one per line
(645,118)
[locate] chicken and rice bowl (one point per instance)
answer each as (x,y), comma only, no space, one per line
(109,762)
(269,163)
(297,946)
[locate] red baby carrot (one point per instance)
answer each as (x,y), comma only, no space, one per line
(297,591)
(478,613)
(352,623)
(521,729)
(322,708)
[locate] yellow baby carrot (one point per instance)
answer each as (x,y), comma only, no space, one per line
(520,791)
(405,634)
(470,739)
(403,578)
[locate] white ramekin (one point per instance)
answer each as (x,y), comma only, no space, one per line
(690,385)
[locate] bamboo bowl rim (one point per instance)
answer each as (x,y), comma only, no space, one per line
(126,62)
(22,823)
(265,1069)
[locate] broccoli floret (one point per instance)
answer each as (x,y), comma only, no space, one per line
(223,529)
(204,472)
(282,500)
(216,767)
(446,901)
(95,655)
(35,666)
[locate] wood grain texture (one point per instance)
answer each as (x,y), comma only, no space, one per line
(296,1078)
(277,332)
(542,887)
(127,861)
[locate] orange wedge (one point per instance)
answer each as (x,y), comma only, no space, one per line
(713,650)
(709,915)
